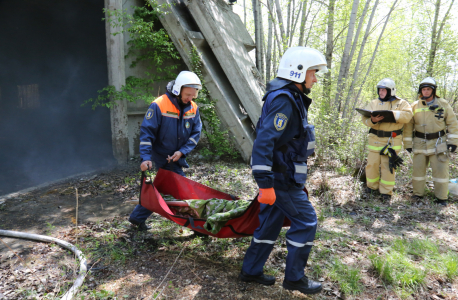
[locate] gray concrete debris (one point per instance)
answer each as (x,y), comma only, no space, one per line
(229,73)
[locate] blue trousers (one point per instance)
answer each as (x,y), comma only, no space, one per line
(140,214)
(294,205)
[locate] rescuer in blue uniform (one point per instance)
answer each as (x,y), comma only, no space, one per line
(279,164)
(170,130)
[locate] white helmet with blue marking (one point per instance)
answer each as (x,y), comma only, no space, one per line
(297,60)
(186,79)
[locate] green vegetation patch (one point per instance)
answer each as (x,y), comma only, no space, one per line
(348,278)
(407,263)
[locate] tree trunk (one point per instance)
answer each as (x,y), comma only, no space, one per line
(303,21)
(257,34)
(274,62)
(281,24)
(244,12)
(435,36)
(294,23)
(346,55)
(375,50)
(329,49)
(313,21)
(352,53)
(272,16)
(269,45)
(261,38)
(360,55)
(288,20)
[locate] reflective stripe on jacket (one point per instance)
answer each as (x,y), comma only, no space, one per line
(284,139)
(167,128)
(402,114)
(426,120)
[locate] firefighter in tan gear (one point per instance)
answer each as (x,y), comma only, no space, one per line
(434,132)
(379,175)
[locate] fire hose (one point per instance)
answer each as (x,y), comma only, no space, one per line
(47,239)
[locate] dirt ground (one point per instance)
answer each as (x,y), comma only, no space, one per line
(170,262)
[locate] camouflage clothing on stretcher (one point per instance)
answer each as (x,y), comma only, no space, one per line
(216,211)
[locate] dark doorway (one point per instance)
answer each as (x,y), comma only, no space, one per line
(52,59)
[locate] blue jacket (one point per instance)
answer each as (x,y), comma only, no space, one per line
(168,128)
(284,139)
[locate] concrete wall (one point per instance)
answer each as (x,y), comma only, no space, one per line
(130,114)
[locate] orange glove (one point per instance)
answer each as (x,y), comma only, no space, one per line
(267,196)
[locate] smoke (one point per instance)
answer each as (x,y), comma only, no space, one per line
(54,53)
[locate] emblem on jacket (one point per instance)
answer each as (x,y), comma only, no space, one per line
(440,114)
(149,113)
(187,124)
(280,121)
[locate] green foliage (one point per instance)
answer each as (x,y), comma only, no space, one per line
(450,262)
(150,45)
(406,263)
(102,294)
(220,141)
(348,278)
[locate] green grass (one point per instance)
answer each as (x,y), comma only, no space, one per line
(407,263)
(348,278)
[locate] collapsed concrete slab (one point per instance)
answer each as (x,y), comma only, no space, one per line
(229,74)
(230,42)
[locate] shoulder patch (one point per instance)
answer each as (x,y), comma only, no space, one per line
(280,121)
(149,113)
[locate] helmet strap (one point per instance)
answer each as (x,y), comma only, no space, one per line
(433,94)
(305,90)
(180,101)
(387,97)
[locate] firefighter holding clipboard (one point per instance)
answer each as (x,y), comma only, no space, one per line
(385,137)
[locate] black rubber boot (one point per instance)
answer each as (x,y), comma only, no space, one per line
(441,202)
(386,198)
(140,226)
(262,279)
(417,198)
(143,227)
(371,191)
(304,285)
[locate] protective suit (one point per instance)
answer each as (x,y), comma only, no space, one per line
(279,163)
(431,126)
(378,174)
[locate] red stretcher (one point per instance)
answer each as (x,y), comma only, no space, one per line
(182,188)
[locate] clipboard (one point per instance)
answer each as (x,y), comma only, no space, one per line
(387,114)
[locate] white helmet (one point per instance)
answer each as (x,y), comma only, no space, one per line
(387,83)
(297,60)
(186,79)
(428,82)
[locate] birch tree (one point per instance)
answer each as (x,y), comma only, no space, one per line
(360,56)
(257,34)
(281,24)
(304,17)
(353,49)
(329,48)
(436,35)
(375,50)
(346,53)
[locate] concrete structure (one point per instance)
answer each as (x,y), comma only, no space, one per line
(229,74)
(225,79)
(230,42)
(117,78)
